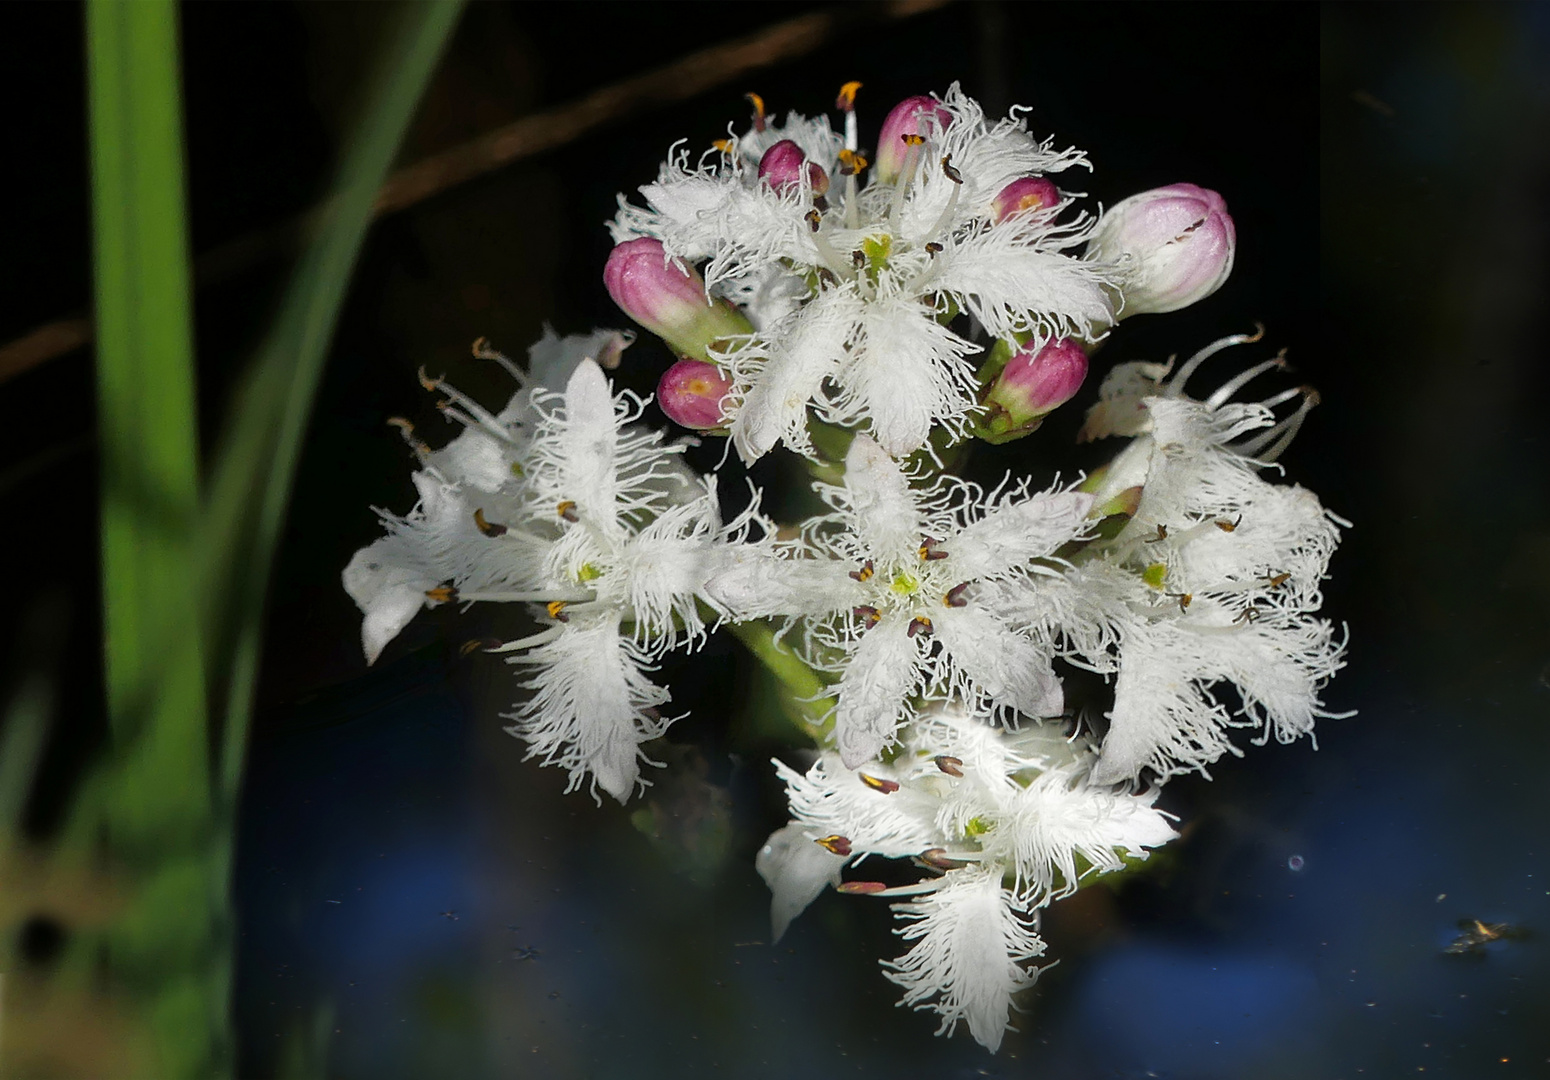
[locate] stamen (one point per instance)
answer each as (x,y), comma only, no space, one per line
(1287,430)
(852,163)
(912,152)
(489,528)
(442,594)
(919,625)
(826,252)
(406,429)
(1229,526)
(936,859)
(758,110)
(814,219)
(1175,386)
(861,888)
(867,614)
(483,350)
(473,645)
(928,552)
(1272,582)
(858,259)
(865,573)
(933,249)
(567,510)
(543,637)
(426,381)
(1184,599)
(846,103)
(946,219)
(1225,392)
(887,787)
(836,844)
(954,597)
(1162,534)
(950,765)
(556,610)
(1246,616)
(726,146)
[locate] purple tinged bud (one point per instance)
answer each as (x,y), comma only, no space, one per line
(782,164)
(1028,195)
(1172,245)
(667,299)
(917,115)
(690,393)
(1033,384)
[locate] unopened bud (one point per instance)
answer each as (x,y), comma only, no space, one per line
(1173,245)
(912,116)
(1030,194)
(690,393)
(1033,384)
(668,299)
(782,164)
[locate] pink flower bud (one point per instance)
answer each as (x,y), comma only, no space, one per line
(690,393)
(667,299)
(912,116)
(1031,193)
(1173,245)
(782,165)
(1033,384)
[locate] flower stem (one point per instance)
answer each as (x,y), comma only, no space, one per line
(805,697)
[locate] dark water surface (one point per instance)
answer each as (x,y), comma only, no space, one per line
(416,901)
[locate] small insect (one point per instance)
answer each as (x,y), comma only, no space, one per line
(1476,935)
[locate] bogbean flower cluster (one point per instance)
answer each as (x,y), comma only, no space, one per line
(868,315)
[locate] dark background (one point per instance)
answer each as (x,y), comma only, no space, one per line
(416,901)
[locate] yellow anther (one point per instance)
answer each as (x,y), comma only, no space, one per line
(489,528)
(913,139)
(1279,579)
(567,510)
(836,844)
(401,424)
(441,594)
(865,573)
(846,102)
(758,110)
(877,783)
(919,625)
(428,382)
(554,607)
(851,163)
(726,146)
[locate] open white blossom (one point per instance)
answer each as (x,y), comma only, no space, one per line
(849,291)
(1214,581)
(978,807)
(561,500)
(893,572)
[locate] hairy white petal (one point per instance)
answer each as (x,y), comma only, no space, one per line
(972,940)
(1015,532)
(1060,816)
(587,713)
(873,690)
(1008,667)
(880,507)
(831,799)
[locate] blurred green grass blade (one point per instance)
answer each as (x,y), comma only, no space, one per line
(252,480)
(145,371)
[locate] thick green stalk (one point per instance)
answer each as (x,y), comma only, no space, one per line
(805,697)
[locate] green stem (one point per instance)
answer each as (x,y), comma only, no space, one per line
(805,695)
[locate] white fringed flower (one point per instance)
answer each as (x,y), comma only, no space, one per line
(894,568)
(1215,579)
(848,292)
(561,500)
(972,941)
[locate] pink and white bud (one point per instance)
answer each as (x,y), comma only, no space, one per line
(1025,196)
(1034,383)
(667,299)
(691,392)
(782,165)
(1173,245)
(913,116)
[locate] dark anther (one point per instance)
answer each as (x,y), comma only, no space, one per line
(954,597)
(950,765)
(952,174)
(489,528)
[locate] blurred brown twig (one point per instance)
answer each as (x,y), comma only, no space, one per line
(682,79)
